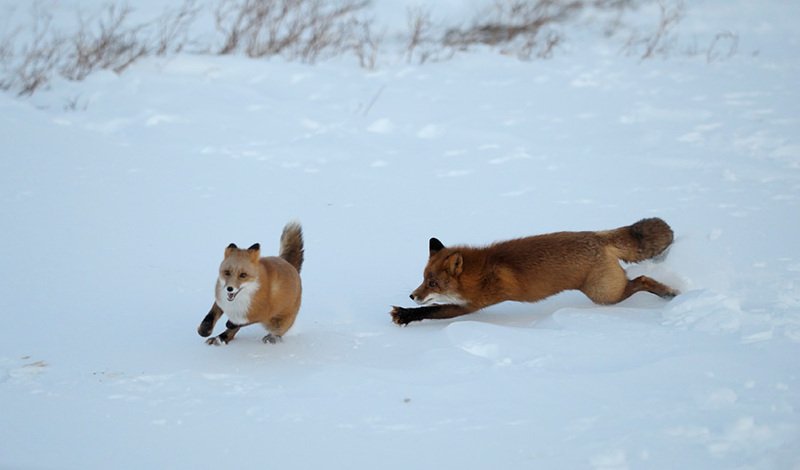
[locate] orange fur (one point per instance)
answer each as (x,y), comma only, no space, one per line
(460,280)
(251,289)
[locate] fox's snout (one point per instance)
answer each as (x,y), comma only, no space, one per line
(437,298)
(232,292)
(419,295)
(420,299)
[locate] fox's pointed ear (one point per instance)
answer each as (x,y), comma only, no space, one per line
(454,263)
(435,246)
(230,248)
(255,252)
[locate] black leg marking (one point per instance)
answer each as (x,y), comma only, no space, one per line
(404,316)
(206,326)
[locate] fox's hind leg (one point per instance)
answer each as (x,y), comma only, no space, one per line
(277,326)
(609,284)
(644,283)
(272,339)
(606,284)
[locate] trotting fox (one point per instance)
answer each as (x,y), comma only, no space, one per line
(460,280)
(251,289)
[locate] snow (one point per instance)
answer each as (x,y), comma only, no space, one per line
(116,215)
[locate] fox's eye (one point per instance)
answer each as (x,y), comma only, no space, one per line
(432,284)
(242,275)
(227,273)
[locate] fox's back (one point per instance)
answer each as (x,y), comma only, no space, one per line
(549,251)
(282,277)
(531,268)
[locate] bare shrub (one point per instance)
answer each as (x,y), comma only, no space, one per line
(7,46)
(172,28)
(76,103)
(232,22)
(330,30)
(29,68)
(661,41)
(309,30)
(298,29)
(723,46)
(532,28)
(104,42)
(521,27)
(610,15)
(30,56)
(421,41)
(365,42)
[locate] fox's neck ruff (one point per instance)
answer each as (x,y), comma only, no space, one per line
(237,308)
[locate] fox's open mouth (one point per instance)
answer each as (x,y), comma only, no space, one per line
(231,296)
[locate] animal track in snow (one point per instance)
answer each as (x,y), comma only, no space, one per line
(22,369)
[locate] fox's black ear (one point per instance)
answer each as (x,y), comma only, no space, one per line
(255,246)
(229,249)
(435,245)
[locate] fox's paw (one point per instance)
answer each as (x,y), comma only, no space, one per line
(271,339)
(403,316)
(669,295)
(215,341)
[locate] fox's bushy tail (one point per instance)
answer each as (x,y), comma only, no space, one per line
(643,240)
(292,244)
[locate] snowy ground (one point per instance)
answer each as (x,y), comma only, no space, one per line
(115,217)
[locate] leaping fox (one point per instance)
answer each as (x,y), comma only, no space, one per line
(460,280)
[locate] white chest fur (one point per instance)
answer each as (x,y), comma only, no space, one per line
(238,308)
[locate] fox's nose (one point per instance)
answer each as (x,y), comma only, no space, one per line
(411,296)
(230,289)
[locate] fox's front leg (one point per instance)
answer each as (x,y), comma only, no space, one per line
(207,325)
(404,316)
(230,331)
